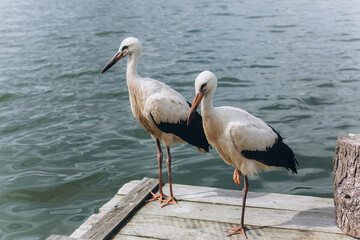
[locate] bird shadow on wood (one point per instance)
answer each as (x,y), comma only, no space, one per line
(312,218)
(220,196)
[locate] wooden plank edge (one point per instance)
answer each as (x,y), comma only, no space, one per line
(196,197)
(254,216)
(249,205)
(115,218)
(238,193)
(252,226)
(61,237)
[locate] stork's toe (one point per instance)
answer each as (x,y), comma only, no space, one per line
(238,230)
(158,196)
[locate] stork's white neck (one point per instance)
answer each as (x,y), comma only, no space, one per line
(207,105)
(131,73)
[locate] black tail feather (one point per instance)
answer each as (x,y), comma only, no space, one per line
(278,155)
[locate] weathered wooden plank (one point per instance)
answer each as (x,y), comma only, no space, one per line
(120,213)
(60,237)
(254,216)
(160,227)
(233,197)
(95,218)
(131,237)
(206,212)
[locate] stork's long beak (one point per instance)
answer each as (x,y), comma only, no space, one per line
(112,62)
(197,100)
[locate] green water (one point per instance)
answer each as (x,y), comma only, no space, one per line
(68,139)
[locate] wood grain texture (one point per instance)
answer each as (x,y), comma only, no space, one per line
(95,218)
(60,237)
(254,199)
(121,212)
(347,184)
(254,216)
(163,227)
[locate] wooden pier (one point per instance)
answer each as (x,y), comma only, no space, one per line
(205,213)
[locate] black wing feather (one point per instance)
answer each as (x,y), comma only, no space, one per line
(278,155)
(193,133)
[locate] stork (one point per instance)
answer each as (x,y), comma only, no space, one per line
(241,139)
(160,110)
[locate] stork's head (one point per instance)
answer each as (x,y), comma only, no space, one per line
(205,83)
(128,46)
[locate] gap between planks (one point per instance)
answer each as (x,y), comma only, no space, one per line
(160,227)
(228,214)
(233,197)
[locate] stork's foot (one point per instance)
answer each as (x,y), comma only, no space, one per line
(169,201)
(237,177)
(238,230)
(159,196)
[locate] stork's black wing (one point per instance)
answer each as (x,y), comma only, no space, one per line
(193,133)
(278,155)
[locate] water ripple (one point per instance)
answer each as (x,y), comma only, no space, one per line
(260,17)
(78,75)
(261,66)
(6,97)
(107,33)
(282,26)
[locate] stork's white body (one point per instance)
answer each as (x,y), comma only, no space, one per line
(149,96)
(231,130)
(241,139)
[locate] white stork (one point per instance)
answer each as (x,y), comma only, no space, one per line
(241,139)
(160,110)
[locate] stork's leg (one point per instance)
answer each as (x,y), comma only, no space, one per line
(160,195)
(241,229)
(171,200)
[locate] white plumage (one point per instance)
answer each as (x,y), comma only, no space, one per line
(159,109)
(165,105)
(241,139)
(231,130)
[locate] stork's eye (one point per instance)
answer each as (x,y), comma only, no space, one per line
(202,87)
(124,48)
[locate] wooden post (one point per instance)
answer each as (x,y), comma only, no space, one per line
(347,184)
